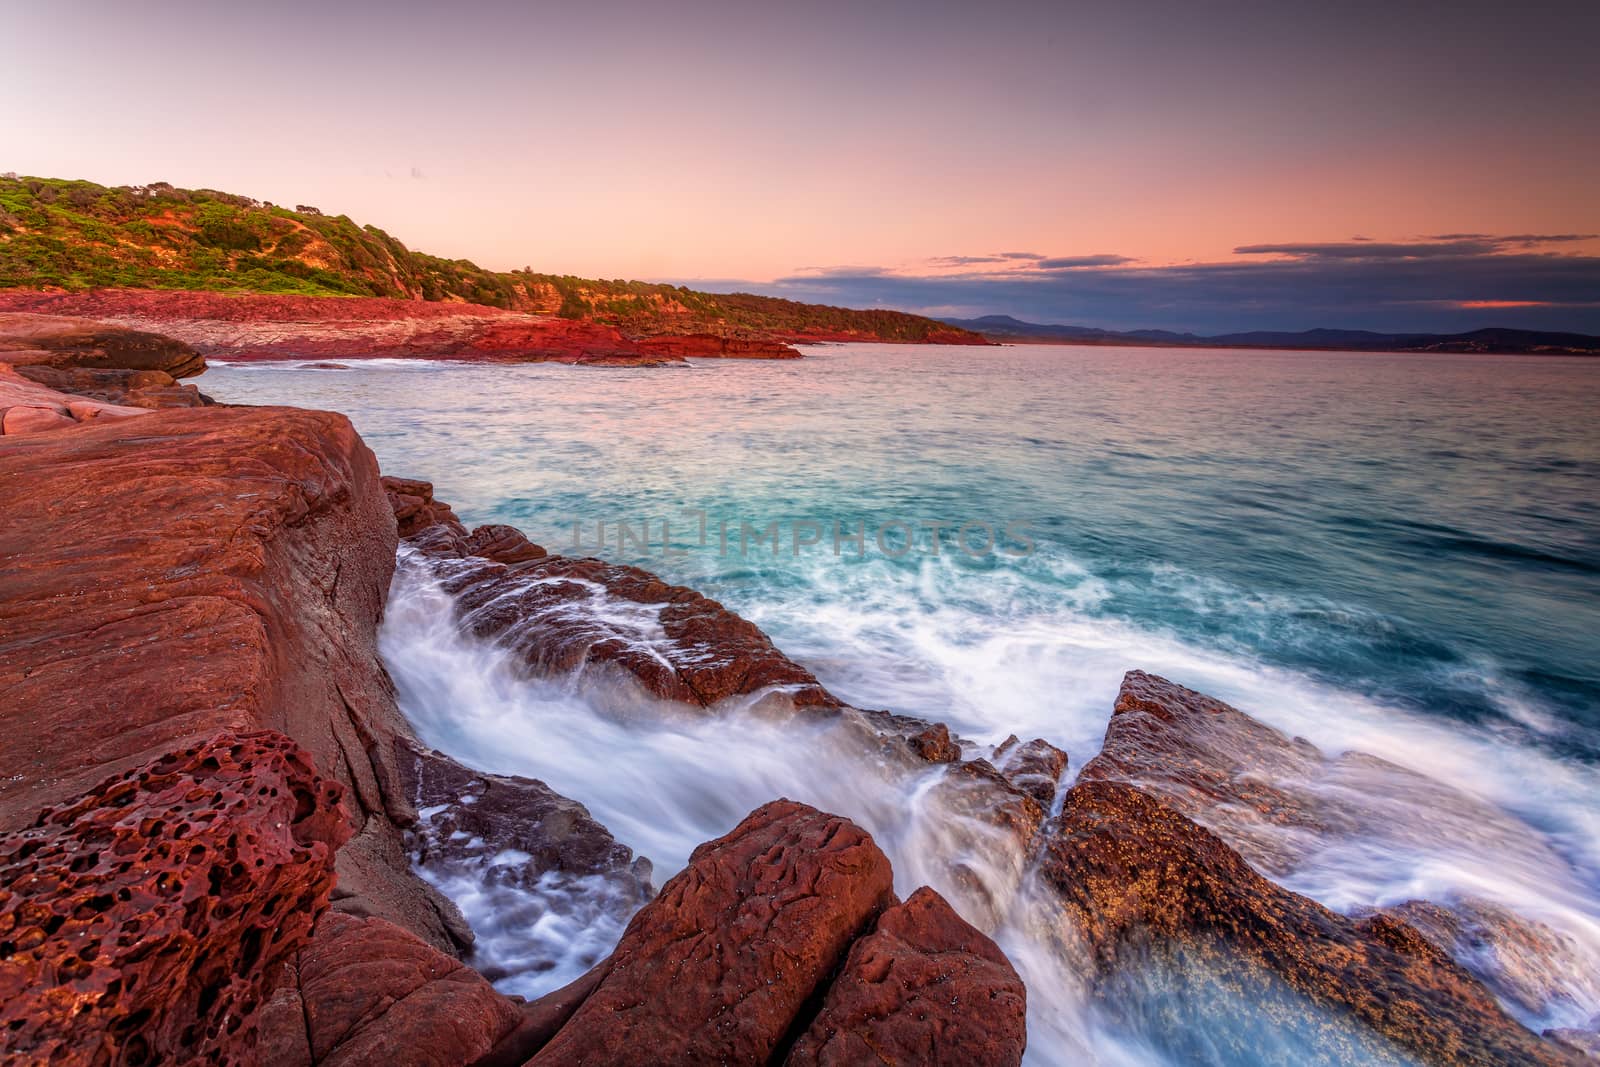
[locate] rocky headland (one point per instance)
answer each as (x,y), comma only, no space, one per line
(218,831)
(261,327)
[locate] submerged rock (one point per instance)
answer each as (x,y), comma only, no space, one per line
(532,859)
(1281,802)
(924,987)
(1135,878)
(150,916)
(1524,962)
(562,615)
(1034,767)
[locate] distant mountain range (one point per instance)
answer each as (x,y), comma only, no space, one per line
(1516,342)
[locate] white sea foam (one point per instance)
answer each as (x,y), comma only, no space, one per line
(665,784)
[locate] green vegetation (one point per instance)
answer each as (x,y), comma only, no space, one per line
(75,235)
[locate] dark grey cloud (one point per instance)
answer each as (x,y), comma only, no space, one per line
(1432,292)
(1074,262)
(1031,260)
(1376,249)
(1547,238)
(965,261)
(1430,247)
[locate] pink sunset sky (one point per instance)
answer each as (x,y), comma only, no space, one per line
(886,153)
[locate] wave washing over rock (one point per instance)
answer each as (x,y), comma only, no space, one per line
(1123,958)
(230,834)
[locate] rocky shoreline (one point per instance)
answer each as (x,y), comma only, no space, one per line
(265,327)
(217,828)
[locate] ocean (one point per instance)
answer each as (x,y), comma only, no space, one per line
(1398,554)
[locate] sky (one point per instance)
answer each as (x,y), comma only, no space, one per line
(1155,163)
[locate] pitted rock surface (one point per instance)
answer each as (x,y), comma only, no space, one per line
(145,921)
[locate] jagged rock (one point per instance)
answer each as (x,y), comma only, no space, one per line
(535,858)
(1280,801)
(717,968)
(935,745)
(1134,877)
(466,815)
(1035,767)
(1524,962)
(923,988)
(1584,1042)
(62,341)
(562,615)
(151,389)
(415,509)
(987,827)
(147,918)
(503,544)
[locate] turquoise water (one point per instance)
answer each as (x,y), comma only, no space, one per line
(1421,531)
(1396,554)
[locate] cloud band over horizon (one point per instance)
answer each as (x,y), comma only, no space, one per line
(1446,283)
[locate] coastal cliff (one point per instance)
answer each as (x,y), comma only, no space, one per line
(207,786)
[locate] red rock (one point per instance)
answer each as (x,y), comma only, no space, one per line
(984,815)
(63,341)
(1524,962)
(147,917)
(712,346)
(259,542)
(718,966)
(502,544)
(364,991)
(1135,877)
(477,815)
(550,609)
(415,509)
(1035,767)
(26,419)
(553,612)
(935,745)
(1277,799)
(260,326)
(923,988)
(26,406)
(150,389)
(543,1018)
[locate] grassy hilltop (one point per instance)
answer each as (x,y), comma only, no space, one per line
(76,235)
